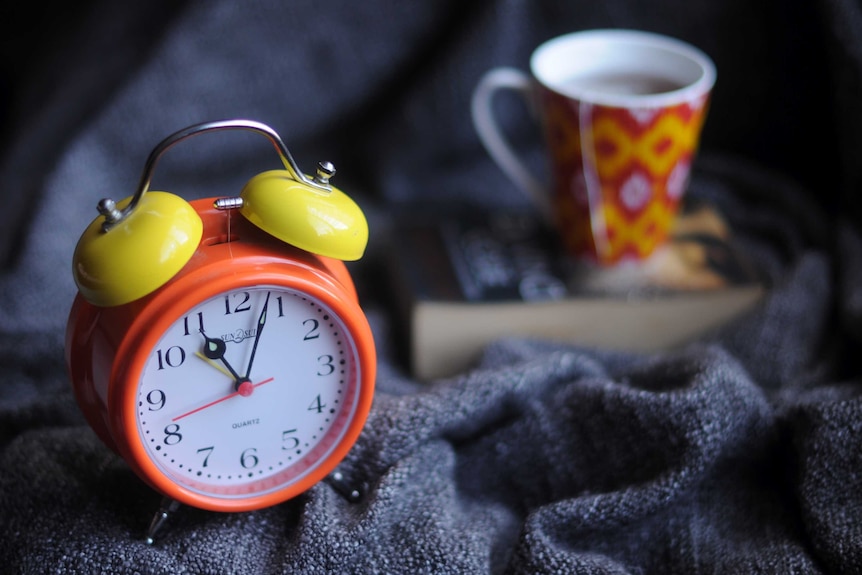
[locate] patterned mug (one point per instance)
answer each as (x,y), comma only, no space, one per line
(622,113)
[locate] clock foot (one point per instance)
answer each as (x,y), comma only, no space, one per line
(340,484)
(166,507)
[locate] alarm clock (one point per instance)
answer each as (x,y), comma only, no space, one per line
(218,345)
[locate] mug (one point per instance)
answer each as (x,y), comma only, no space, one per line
(622,112)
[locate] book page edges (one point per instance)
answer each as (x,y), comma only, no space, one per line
(448,337)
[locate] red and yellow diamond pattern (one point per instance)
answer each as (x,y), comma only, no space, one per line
(620,174)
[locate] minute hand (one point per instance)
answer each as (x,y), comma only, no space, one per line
(261,320)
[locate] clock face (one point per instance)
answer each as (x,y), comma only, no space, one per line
(248,393)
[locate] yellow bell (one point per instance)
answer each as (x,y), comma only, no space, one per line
(322,222)
(139,254)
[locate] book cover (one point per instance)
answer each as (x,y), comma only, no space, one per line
(462,280)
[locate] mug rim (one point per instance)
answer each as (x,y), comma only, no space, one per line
(545,74)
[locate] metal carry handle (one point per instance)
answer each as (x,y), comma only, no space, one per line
(113,215)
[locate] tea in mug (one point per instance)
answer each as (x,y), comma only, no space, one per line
(620,83)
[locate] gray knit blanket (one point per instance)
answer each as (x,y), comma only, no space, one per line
(737,453)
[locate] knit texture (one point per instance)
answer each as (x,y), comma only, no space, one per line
(738,453)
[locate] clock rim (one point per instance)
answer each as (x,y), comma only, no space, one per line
(176,300)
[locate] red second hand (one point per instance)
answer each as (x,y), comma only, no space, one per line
(219,400)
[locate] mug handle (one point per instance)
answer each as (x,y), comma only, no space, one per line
(492,138)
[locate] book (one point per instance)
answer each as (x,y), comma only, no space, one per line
(462,280)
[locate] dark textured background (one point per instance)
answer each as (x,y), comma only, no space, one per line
(738,454)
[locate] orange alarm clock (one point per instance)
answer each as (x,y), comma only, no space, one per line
(218,345)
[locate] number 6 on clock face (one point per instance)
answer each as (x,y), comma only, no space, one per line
(247,392)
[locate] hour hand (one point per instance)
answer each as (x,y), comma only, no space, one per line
(214,348)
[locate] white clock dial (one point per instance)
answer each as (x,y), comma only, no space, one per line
(248,392)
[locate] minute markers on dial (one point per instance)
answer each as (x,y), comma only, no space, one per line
(304,341)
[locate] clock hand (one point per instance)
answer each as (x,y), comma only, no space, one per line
(260,321)
(214,364)
(214,348)
(245,390)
